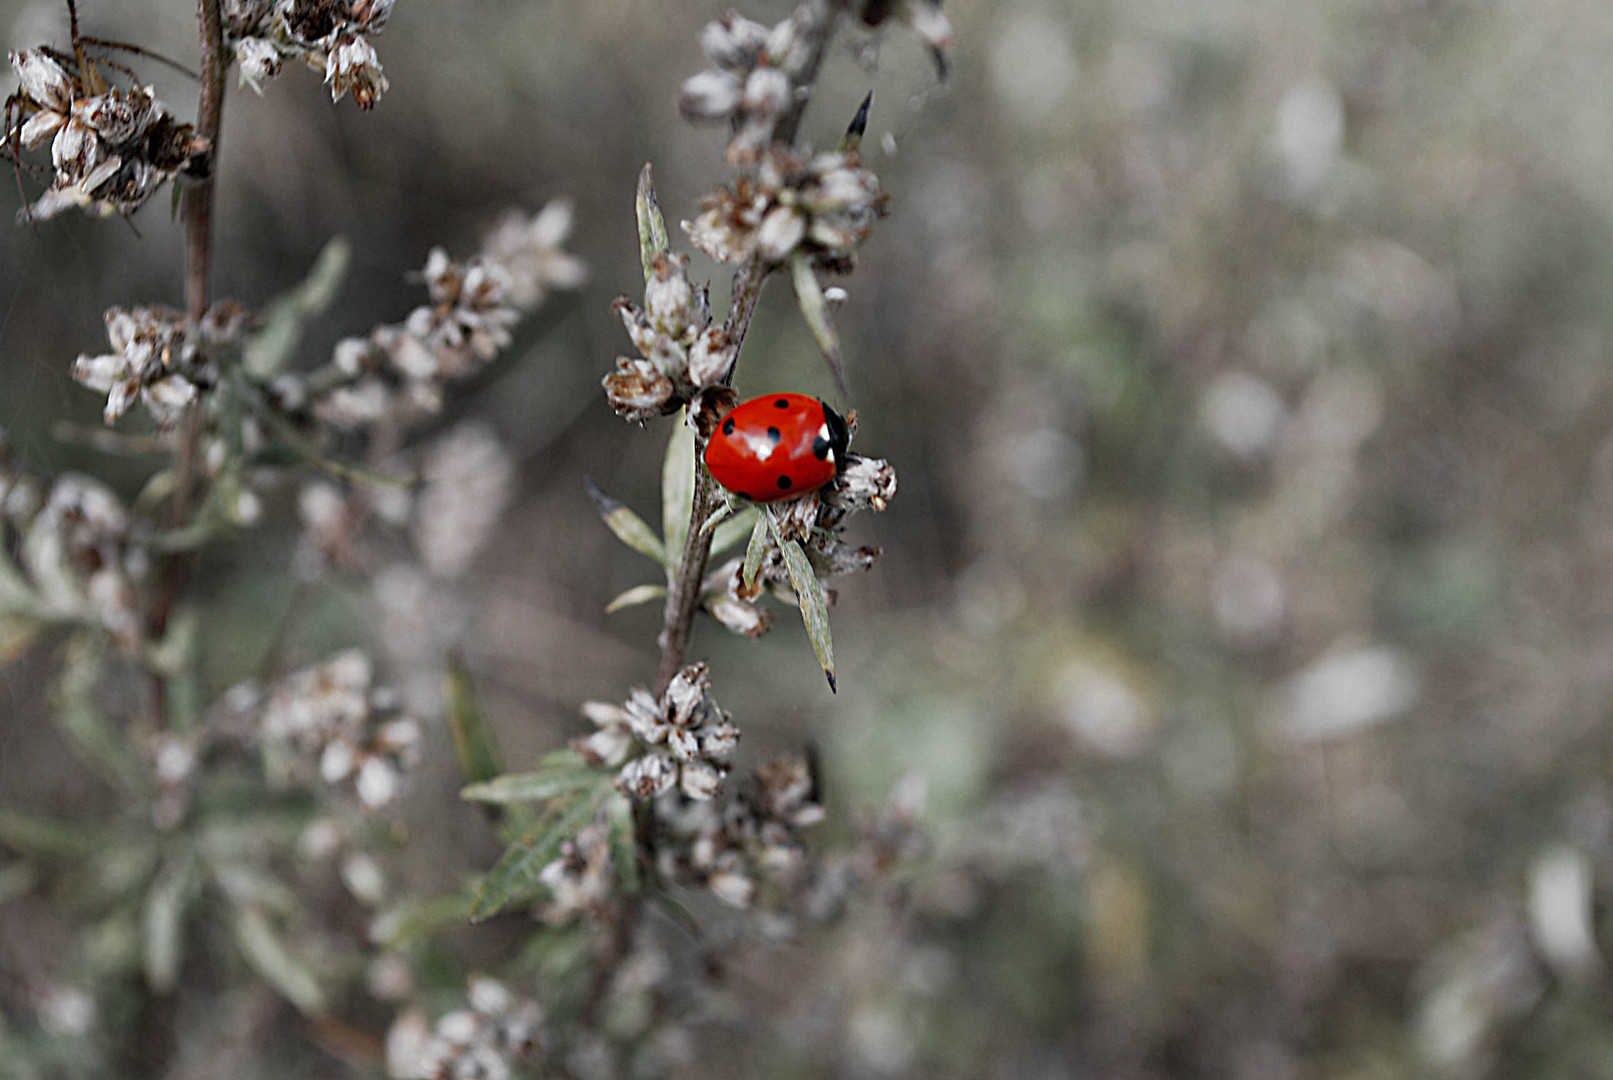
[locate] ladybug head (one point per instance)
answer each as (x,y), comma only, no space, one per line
(839,435)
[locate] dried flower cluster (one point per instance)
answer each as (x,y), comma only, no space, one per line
(334,713)
(686,739)
(75,558)
(759,75)
(110,147)
(488,1040)
(160,357)
(824,206)
(403,368)
(330,36)
(681,352)
(817,521)
(756,836)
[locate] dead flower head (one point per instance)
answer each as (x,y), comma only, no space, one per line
(825,206)
(110,147)
(687,739)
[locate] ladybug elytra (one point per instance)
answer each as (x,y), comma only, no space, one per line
(778,447)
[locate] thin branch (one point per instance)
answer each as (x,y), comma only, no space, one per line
(198,295)
(683,595)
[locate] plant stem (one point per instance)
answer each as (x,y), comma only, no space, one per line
(198,217)
(683,596)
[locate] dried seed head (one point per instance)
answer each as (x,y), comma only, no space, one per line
(353,66)
(637,391)
(733,42)
(863,484)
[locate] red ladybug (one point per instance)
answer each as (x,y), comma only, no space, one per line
(777,447)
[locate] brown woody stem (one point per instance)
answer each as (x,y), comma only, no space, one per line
(198,218)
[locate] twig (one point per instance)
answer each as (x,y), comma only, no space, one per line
(198,295)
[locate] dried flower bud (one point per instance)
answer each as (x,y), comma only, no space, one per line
(710,95)
(733,42)
(258,59)
(863,484)
(637,391)
(353,66)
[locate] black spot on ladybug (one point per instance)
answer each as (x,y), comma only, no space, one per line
(774,435)
(728,426)
(781,403)
(821,448)
(784,483)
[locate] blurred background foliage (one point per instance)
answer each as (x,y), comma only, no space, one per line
(1246,603)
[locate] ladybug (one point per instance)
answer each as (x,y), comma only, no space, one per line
(777,447)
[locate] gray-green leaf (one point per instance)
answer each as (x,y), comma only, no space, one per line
(629,528)
(652,235)
(814,605)
(269,350)
(474,746)
(514,878)
(732,531)
(278,965)
(165,922)
(815,309)
(677,491)
(638,594)
(754,552)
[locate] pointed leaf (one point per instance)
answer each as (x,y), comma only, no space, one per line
(474,745)
(538,786)
(733,530)
(815,309)
(755,551)
(514,878)
(814,605)
(859,124)
(677,491)
(724,511)
(97,741)
(418,918)
(39,835)
(629,528)
(166,901)
(652,235)
(279,966)
(638,594)
(269,350)
(623,842)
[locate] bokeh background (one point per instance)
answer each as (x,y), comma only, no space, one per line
(1246,604)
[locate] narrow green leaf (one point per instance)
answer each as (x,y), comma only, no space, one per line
(724,511)
(514,878)
(754,552)
(629,528)
(418,918)
(308,451)
(677,491)
(623,842)
(652,235)
(97,741)
(474,745)
(733,530)
(814,605)
(39,835)
(270,958)
(815,309)
(166,901)
(638,594)
(858,126)
(269,350)
(538,786)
